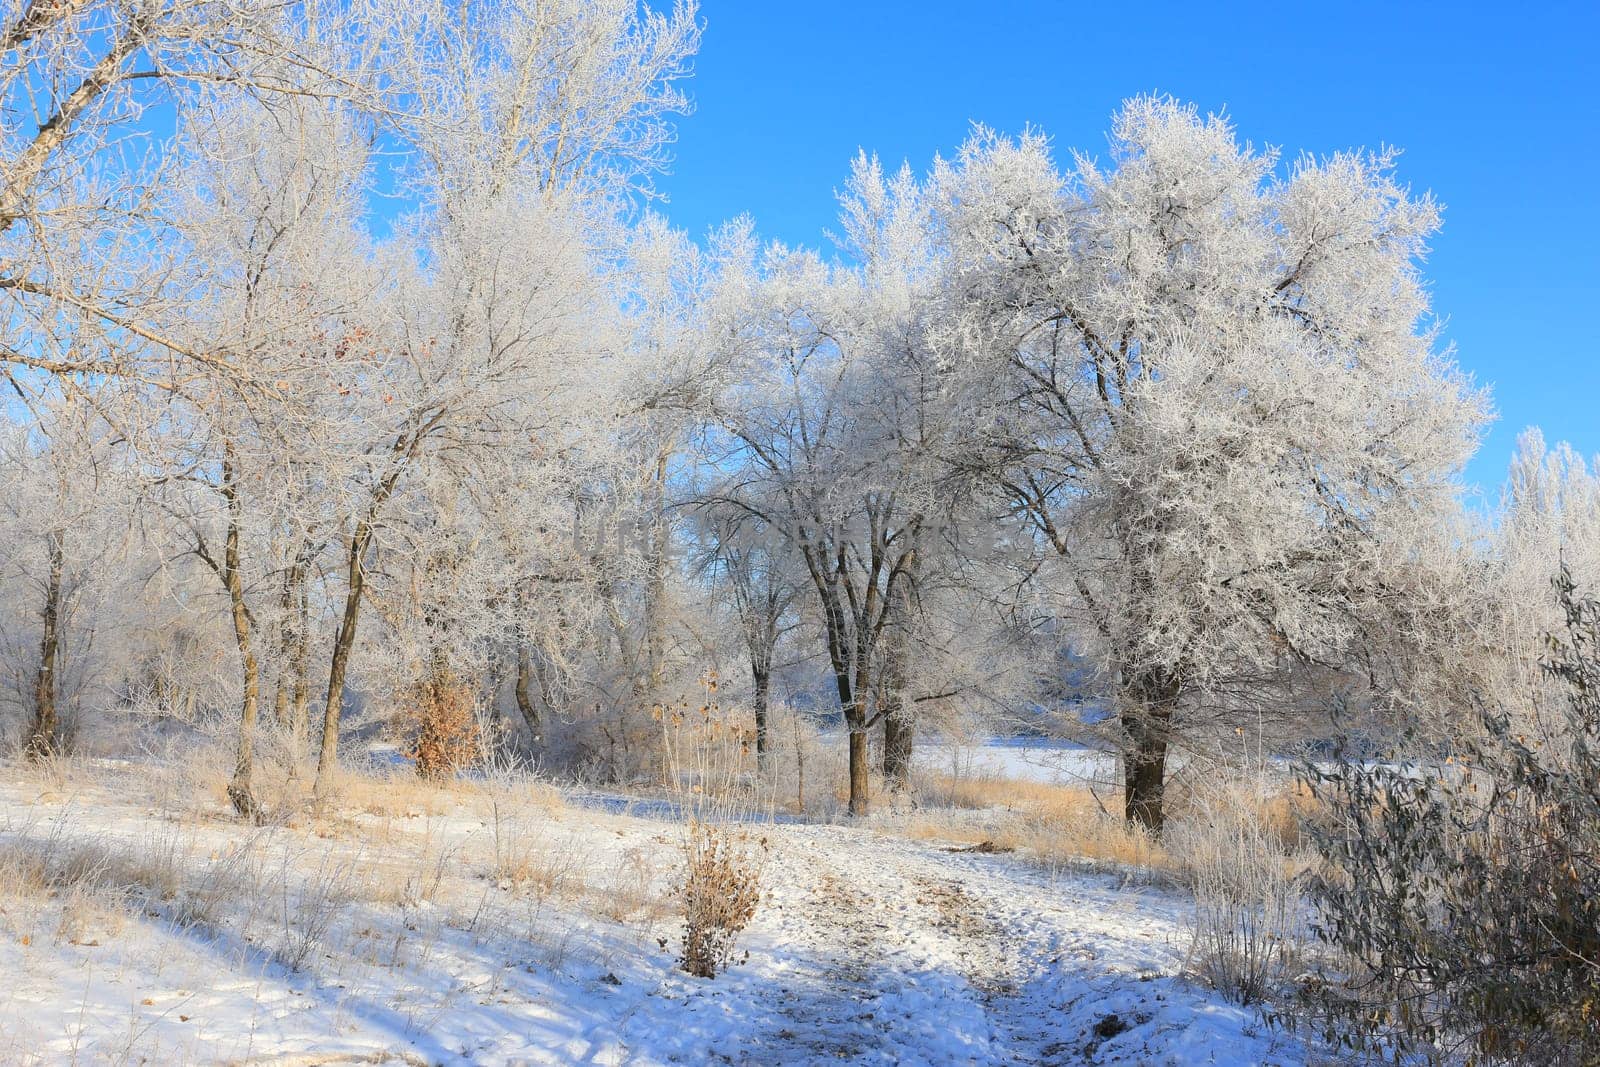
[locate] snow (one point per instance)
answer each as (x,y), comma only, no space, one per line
(869,949)
(1026,759)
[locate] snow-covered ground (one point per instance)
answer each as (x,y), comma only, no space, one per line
(503,927)
(1028,759)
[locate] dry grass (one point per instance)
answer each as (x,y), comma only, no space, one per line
(1072,825)
(89,915)
(1241,861)
(390,852)
(522,849)
(54,775)
(1057,825)
(49,887)
(97,883)
(1283,813)
(392,793)
(979,792)
(631,892)
(413,873)
(529,855)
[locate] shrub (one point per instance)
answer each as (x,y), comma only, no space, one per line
(447,726)
(1248,931)
(708,759)
(720,891)
(1464,896)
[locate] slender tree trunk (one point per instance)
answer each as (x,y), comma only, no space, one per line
(852,699)
(1149,703)
(406,447)
(524,691)
(761,679)
(655,621)
(239,790)
(759,616)
(280,695)
(851,672)
(42,735)
(300,696)
(799,765)
(344,640)
(287,639)
(857,717)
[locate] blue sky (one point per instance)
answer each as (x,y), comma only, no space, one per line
(1496,108)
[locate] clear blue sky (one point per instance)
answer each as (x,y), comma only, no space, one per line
(1496,107)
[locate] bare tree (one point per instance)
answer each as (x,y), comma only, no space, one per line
(748,563)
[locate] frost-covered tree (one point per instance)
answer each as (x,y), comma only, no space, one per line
(751,567)
(805,459)
(87,88)
(841,427)
(66,525)
(529,127)
(1548,524)
(276,267)
(1220,401)
(1550,516)
(1185,410)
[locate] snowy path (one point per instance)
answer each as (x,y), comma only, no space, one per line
(875,950)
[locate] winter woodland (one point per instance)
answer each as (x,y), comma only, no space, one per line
(448,614)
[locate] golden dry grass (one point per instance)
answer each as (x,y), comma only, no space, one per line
(1054,824)
(1071,824)
(392,794)
(399,793)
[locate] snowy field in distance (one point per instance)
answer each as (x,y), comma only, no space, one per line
(1022,758)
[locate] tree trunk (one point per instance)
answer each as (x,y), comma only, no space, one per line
(762,682)
(300,695)
(899,724)
(858,771)
(280,696)
(1144,769)
(855,692)
(895,707)
(287,643)
(799,766)
(405,450)
(898,734)
(524,687)
(1147,722)
(655,613)
(42,735)
(239,790)
(856,715)
(328,757)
